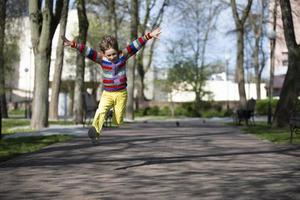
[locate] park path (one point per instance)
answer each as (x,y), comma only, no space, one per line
(157,160)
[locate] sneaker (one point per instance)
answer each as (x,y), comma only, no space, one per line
(93,135)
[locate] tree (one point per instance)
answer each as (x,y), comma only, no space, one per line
(291,85)
(53,112)
(257,23)
(132,62)
(15,12)
(2,38)
(80,63)
(43,23)
(239,23)
(198,23)
(183,77)
(155,20)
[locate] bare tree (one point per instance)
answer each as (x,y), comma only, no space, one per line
(53,112)
(132,63)
(240,23)
(80,63)
(156,20)
(257,22)
(43,22)
(113,18)
(2,38)
(199,18)
(291,86)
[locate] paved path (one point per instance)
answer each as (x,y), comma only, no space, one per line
(157,160)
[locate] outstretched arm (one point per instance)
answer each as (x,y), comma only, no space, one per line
(83,50)
(137,44)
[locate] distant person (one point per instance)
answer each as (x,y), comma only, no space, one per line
(113,64)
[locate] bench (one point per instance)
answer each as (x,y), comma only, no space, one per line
(108,118)
(246,114)
(294,121)
(89,108)
(294,126)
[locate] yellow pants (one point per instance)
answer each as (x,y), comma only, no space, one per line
(116,100)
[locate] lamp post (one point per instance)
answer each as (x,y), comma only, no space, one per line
(26,98)
(227,57)
(272,37)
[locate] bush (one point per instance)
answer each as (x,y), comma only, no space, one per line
(165,111)
(208,109)
(213,113)
(153,111)
(262,106)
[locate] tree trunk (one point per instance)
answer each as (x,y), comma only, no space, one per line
(240,22)
(132,62)
(291,86)
(40,95)
(2,80)
(240,67)
(113,18)
(80,64)
(42,25)
(53,112)
(256,66)
(2,68)
(289,91)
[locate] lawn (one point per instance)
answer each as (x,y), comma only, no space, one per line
(17,125)
(12,147)
(276,135)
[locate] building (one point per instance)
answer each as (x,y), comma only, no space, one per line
(24,84)
(281,52)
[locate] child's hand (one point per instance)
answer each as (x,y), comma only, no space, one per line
(155,33)
(66,41)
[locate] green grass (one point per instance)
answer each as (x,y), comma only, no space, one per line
(276,135)
(17,112)
(12,147)
(61,122)
(13,125)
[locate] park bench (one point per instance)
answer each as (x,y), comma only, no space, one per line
(108,118)
(246,114)
(294,122)
(90,107)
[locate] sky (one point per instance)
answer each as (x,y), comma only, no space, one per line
(221,46)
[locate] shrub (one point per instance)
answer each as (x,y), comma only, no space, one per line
(262,106)
(165,111)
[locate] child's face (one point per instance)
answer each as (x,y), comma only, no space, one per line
(112,55)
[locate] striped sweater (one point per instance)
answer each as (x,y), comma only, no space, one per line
(114,74)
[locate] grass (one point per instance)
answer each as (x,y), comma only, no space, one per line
(12,147)
(13,125)
(16,112)
(276,135)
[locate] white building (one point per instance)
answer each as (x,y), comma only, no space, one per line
(221,90)
(25,82)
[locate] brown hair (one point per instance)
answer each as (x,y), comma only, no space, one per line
(108,42)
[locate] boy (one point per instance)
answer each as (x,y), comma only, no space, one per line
(113,64)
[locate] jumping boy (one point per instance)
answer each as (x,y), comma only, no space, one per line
(113,64)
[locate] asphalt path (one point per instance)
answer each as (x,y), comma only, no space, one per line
(156,160)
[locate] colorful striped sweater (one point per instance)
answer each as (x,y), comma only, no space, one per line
(114,74)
